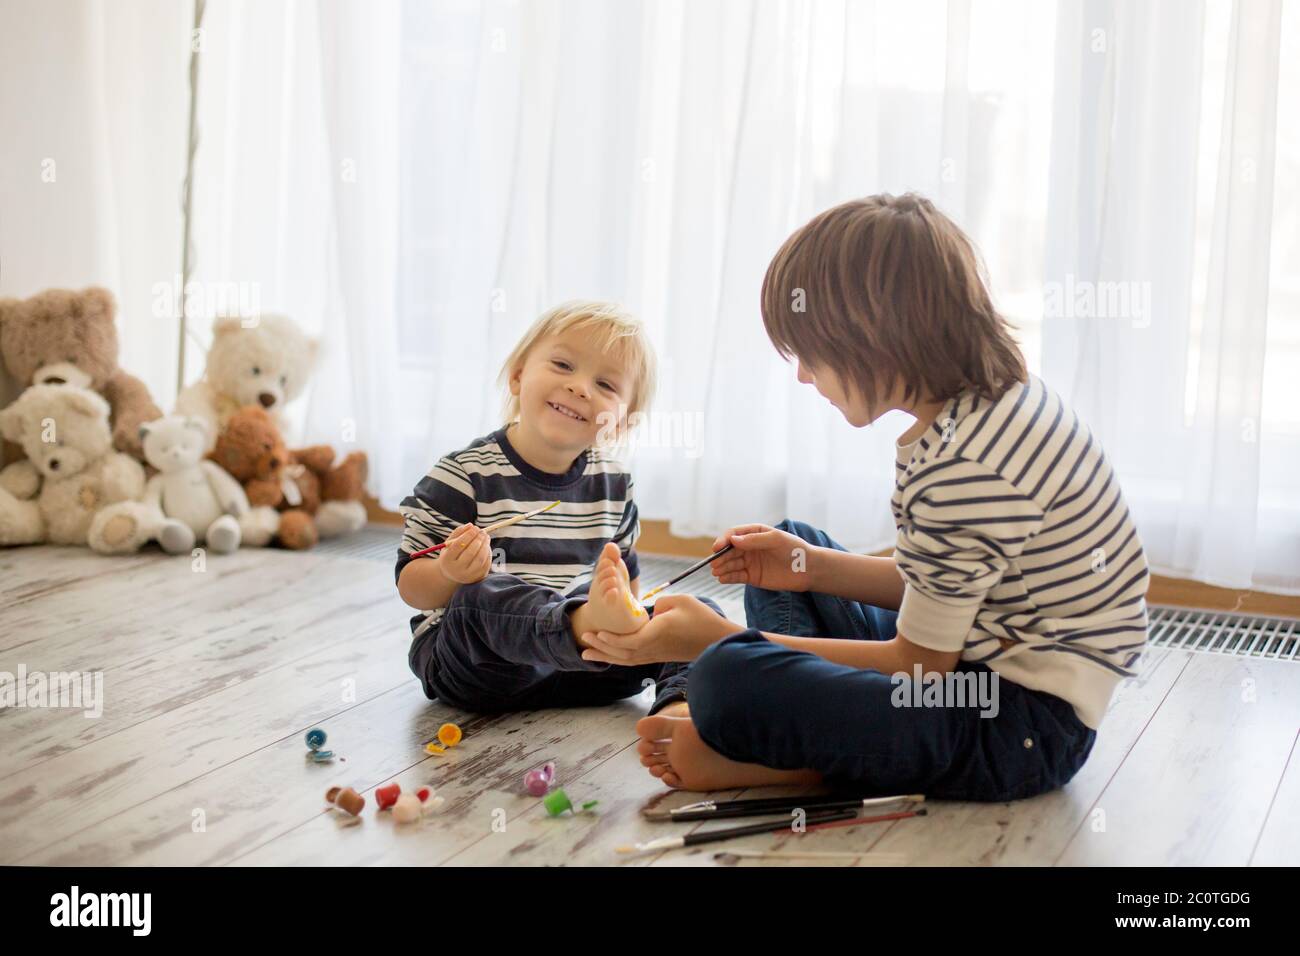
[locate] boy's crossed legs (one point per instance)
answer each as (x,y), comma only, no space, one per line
(505,645)
(761,714)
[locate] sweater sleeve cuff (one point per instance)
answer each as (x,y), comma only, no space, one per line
(937,625)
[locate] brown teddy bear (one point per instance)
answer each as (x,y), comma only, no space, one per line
(342,488)
(65,336)
(251,449)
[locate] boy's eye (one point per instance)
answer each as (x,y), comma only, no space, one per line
(607,387)
(560,363)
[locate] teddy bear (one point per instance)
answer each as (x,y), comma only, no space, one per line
(190,500)
(342,486)
(251,449)
(71,470)
(263,360)
(266,361)
(65,336)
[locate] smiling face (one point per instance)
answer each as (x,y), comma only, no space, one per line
(570,392)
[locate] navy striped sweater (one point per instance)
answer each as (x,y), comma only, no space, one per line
(488,481)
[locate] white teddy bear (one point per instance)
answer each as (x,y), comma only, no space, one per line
(264,363)
(191,500)
(71,470)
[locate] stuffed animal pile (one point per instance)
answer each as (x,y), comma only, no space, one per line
(267,364)
(222,475)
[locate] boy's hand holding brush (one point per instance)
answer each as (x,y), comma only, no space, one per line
(467,557)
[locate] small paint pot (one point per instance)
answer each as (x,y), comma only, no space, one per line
(385,797)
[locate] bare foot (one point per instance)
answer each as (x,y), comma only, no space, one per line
(672,750)
(611,606)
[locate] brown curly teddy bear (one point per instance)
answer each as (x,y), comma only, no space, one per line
(66,336)
(345,481)
(294,483)
(251,449)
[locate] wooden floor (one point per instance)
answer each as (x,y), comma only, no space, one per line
(211,677)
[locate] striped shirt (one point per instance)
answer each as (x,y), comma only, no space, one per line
(488,481)
(1016,547)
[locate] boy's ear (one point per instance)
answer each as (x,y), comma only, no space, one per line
(516,374)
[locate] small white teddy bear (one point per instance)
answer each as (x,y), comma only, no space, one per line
(191,500)
(71,471)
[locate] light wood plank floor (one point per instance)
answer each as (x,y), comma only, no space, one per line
(211,677)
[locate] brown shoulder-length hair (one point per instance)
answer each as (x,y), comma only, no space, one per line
(884,290)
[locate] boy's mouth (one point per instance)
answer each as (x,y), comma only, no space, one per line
(566,411)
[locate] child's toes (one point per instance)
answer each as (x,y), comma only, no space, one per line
(648,747)
(657,727)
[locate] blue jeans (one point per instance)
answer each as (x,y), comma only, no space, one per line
(760,702)
(504,645)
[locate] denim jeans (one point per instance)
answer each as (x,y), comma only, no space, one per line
(504,644)
(760,702)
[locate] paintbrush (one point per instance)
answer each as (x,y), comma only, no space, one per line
(866,858)
(497,526)
(713,810)
(688,572)
(835,818)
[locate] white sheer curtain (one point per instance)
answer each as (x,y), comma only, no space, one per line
(1162,190)
(415,181)
(296,197)
(659,153)
(92,154)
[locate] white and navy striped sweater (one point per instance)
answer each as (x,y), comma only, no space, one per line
(488,481)
(1017,548)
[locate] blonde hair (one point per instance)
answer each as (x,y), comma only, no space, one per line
(610,328)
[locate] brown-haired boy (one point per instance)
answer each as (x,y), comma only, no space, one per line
(975,663)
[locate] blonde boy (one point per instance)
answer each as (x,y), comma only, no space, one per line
(501,619)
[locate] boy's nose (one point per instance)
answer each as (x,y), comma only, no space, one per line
(579,389)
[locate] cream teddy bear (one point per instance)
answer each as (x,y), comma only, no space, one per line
(266,362)
(71,470)
(191,500)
